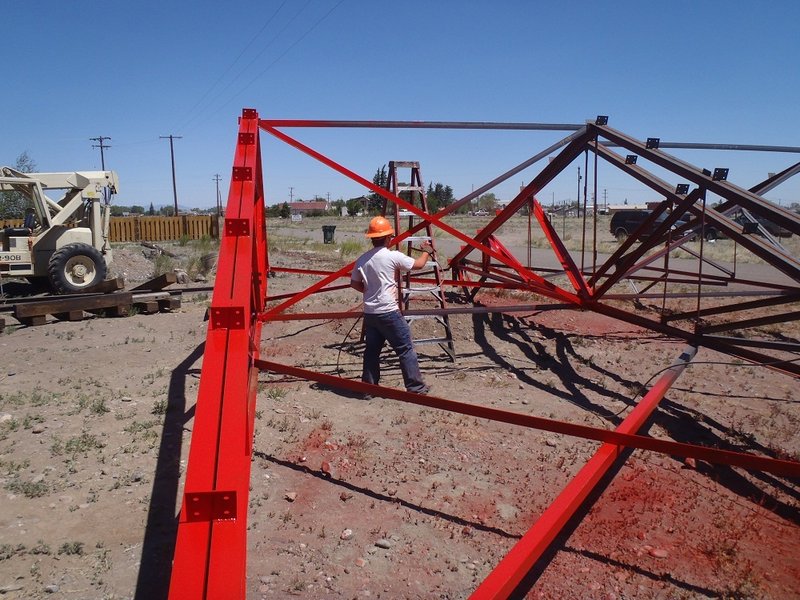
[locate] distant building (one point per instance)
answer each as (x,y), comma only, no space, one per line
(306,208)
(612,208)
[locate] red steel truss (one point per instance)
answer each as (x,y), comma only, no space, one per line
(210,551)
(211,546)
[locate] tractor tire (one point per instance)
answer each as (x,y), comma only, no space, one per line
(76,268)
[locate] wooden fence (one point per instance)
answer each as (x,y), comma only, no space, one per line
(162,229)
(153,229)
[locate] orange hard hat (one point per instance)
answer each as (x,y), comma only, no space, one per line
(379,227)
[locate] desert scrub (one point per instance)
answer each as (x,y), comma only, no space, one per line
(71,548)
(6,427)
(350,248)
(206,245)
(36,398)
(10,550)
(144,431)
(75,445)
(29,489)
(163,264)
(276,393)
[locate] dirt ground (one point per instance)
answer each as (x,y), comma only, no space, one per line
(353,498)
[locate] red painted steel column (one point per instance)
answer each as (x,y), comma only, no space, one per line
(505,577)
(211,547)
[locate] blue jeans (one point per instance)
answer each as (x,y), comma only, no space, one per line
(390,327)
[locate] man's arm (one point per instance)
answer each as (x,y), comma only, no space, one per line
(422,259)
(360,283)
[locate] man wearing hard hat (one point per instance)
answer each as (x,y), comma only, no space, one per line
(374,276)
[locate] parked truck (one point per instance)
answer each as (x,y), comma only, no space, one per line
(63,242)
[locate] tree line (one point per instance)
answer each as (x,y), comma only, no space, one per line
(438,195)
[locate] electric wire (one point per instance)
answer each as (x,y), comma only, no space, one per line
(244,69)
(235,60)
(346,335)
(284,53)
(267,68)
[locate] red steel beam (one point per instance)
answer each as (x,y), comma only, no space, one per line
(508,574)
(425,218)
(211,546)
(547,174)
(618,437)
(210,553)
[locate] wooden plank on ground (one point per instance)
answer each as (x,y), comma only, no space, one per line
(70,315)
(159,283)
(147,307)
(117,310)
(64,305)
(170,304)
(109,285)
(33,321)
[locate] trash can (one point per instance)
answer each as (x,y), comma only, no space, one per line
(327,233)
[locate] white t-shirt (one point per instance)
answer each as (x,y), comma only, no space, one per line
(376,270)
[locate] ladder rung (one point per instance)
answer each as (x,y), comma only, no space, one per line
(433,341)
(437,318)
(423,290)
(410,188)
(417,238)
(407,164)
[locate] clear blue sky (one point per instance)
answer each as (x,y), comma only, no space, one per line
(689,71)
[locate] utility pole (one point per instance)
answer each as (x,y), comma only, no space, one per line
(217,179)
(291,195)
(100,139)
(172,156)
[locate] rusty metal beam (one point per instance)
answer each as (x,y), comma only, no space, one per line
(317,123)
(725,189)
(747,323)
(718,310)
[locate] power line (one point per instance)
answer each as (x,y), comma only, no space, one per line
(100,139)
(231,65)
(217,179)
(268,67)
(172,156)
(285,52)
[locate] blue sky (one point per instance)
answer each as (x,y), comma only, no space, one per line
(689,71)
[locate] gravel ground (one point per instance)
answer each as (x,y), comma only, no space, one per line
(353,498)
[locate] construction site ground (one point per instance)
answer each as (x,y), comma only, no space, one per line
(354,498)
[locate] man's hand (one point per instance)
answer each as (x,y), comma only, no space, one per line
(427,247)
